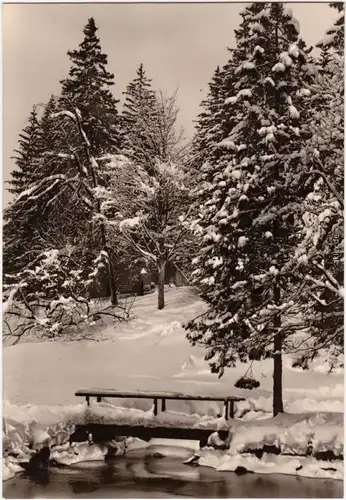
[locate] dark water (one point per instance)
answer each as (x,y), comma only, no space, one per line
(132,476)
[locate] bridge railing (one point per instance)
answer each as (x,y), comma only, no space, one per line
(159,398)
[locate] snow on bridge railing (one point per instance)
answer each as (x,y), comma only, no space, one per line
(159,396)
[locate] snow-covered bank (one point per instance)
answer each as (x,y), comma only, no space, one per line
(274,464)
(288,435)
(26,427)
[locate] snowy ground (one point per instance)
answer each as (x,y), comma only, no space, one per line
(151,353)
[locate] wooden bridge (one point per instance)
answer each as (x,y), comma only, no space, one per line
(156,429)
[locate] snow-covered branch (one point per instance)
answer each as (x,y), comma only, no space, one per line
(50,298)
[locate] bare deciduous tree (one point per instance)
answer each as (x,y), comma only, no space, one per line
(152,198)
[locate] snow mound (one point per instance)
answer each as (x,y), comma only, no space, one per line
(291,433)
(274,464)
(106,413)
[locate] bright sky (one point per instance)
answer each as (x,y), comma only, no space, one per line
(180,46)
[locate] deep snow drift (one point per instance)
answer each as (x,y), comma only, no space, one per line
(151,353)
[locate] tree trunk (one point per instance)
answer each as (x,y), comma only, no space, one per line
(111,274)
(141,287)
(278,406)
(112,285)
(161,285)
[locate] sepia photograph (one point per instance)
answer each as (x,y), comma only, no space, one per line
(173,250)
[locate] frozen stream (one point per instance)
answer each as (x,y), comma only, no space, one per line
(138,476)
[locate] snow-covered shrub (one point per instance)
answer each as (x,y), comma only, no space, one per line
(50,297)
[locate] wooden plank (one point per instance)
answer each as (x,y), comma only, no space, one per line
(101,433)
(113,393)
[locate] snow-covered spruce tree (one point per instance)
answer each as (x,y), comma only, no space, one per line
(89,188)
(27,155)
(138,114)
(88,87)
(66,212)
(213,125)
(81,185)
(53,217)
(335,36)
(320,252)
(20,222)
(209,122)
(247,221)
(211,147)
(65,270)
(35,223)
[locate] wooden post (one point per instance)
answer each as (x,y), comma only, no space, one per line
(231,408)
(226,409)
(87,398)
(98,399)
(155,406)
(163,405)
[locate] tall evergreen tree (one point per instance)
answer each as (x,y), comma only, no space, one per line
(65,211)
(20,220)
(218,120)
(57,198)
(209,123)
(247,222)
(87,91)
(335,36)
(322,224)
(88,87)
(140,109)
(27,155)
